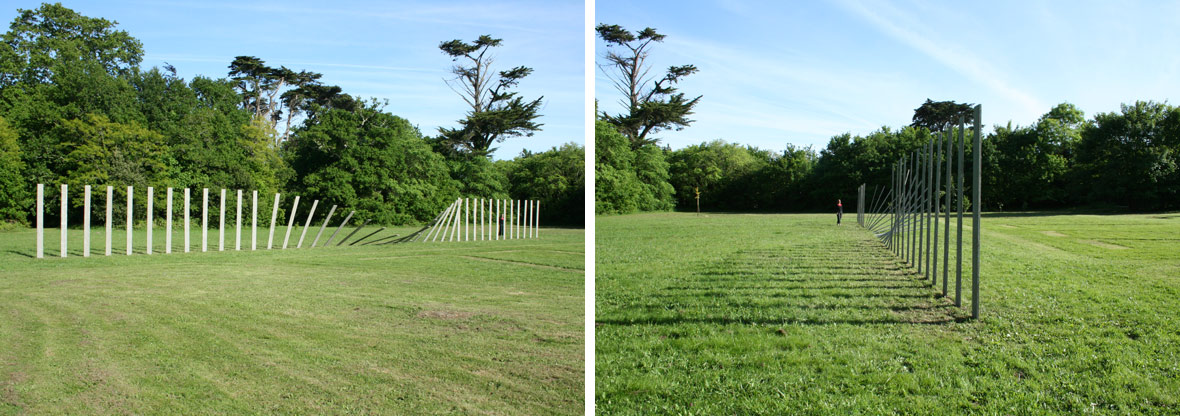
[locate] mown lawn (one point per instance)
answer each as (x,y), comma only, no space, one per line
(790,314)
(420,328)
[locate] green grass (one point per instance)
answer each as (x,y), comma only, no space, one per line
(790,314)
(420,328)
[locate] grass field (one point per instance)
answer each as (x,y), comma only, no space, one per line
(790,314)
(420,328)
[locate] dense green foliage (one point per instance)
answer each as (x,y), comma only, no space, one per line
(628,180)
(1127,159)
(474,328)
(76,108)
(724,314)
(557,177)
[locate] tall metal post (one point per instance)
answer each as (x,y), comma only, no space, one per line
(946,235)
(937,172)
(930,208)
(959,231)
(976,203)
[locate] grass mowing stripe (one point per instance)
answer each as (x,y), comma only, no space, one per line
(789,314)
(297,331)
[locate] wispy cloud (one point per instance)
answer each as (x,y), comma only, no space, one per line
(903,27)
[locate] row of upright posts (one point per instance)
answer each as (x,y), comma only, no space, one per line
(476,219)
(149,224)
(907,217)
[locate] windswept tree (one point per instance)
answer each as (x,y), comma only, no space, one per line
(652,104)
(938,115)
(262,90)
(496,112)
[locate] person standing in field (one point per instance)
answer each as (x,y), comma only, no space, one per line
(839,211)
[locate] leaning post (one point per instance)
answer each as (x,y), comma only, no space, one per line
(291,221)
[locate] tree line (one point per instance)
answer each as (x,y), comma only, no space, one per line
(77,108)
(1129,159)
(1124,160)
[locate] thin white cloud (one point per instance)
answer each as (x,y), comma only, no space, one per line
(897,24)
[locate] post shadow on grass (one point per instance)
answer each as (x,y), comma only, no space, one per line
(795,289)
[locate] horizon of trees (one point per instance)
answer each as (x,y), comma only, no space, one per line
(1125,160)
(76,108)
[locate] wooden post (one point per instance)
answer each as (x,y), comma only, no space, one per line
(307,223)
(291,221)
(86,222)
(187,243)
(130,216)
(221,223)
(150,203)
(238,229)
(41,222)
(254,221)
(432,234)
(322,226)
(342,223)
(110,210)
(65,210)
(274,214)
(168,224)
(205,220)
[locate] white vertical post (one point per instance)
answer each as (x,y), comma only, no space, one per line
(221,224)
(130,216)
(41,221)
(254,222)
(168,224)
(291,221)
(528,219)
(65,210)
(205,221)
(496,221)
(186,215)
(274,215)
(466,219)
(537,221)
(86,222)
(238,229)
(149,220)
(307,223)
(110,210)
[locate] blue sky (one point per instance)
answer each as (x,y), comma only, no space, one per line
(774,72)
(383,49)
